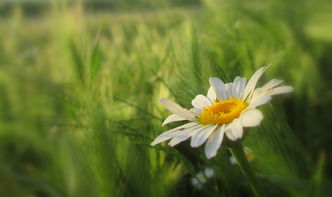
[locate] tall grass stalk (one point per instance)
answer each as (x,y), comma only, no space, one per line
(237,151)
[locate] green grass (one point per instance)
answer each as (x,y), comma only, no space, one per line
(80,92)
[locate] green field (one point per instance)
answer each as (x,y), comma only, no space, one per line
(80,90)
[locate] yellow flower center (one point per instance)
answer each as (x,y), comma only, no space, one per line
(222,111)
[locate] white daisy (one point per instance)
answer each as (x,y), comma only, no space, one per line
(227,109)
(202,177)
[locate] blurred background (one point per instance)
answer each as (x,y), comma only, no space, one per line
(80,83)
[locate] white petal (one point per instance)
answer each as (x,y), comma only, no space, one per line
(198,133)
(173,118)
(211,94)
(202,135)
(242,86)
(229,88)
(196,111)
(170,133)
(259,100)
(184,135)
(229,133)
(272,83)
(219,88)
(251,118)
(259,92)
(238,87)
(201,101)
(235,88)
(214,142)
(267,88)
(177,109)
(237,129)
(281,90)
(252,82)
(176,140)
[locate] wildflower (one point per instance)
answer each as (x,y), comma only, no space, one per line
(202,177)
(227,109)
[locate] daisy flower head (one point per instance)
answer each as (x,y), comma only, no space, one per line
(226,110)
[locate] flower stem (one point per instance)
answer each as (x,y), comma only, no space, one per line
(238,153)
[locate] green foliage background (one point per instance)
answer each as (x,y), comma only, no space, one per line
(80,91)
